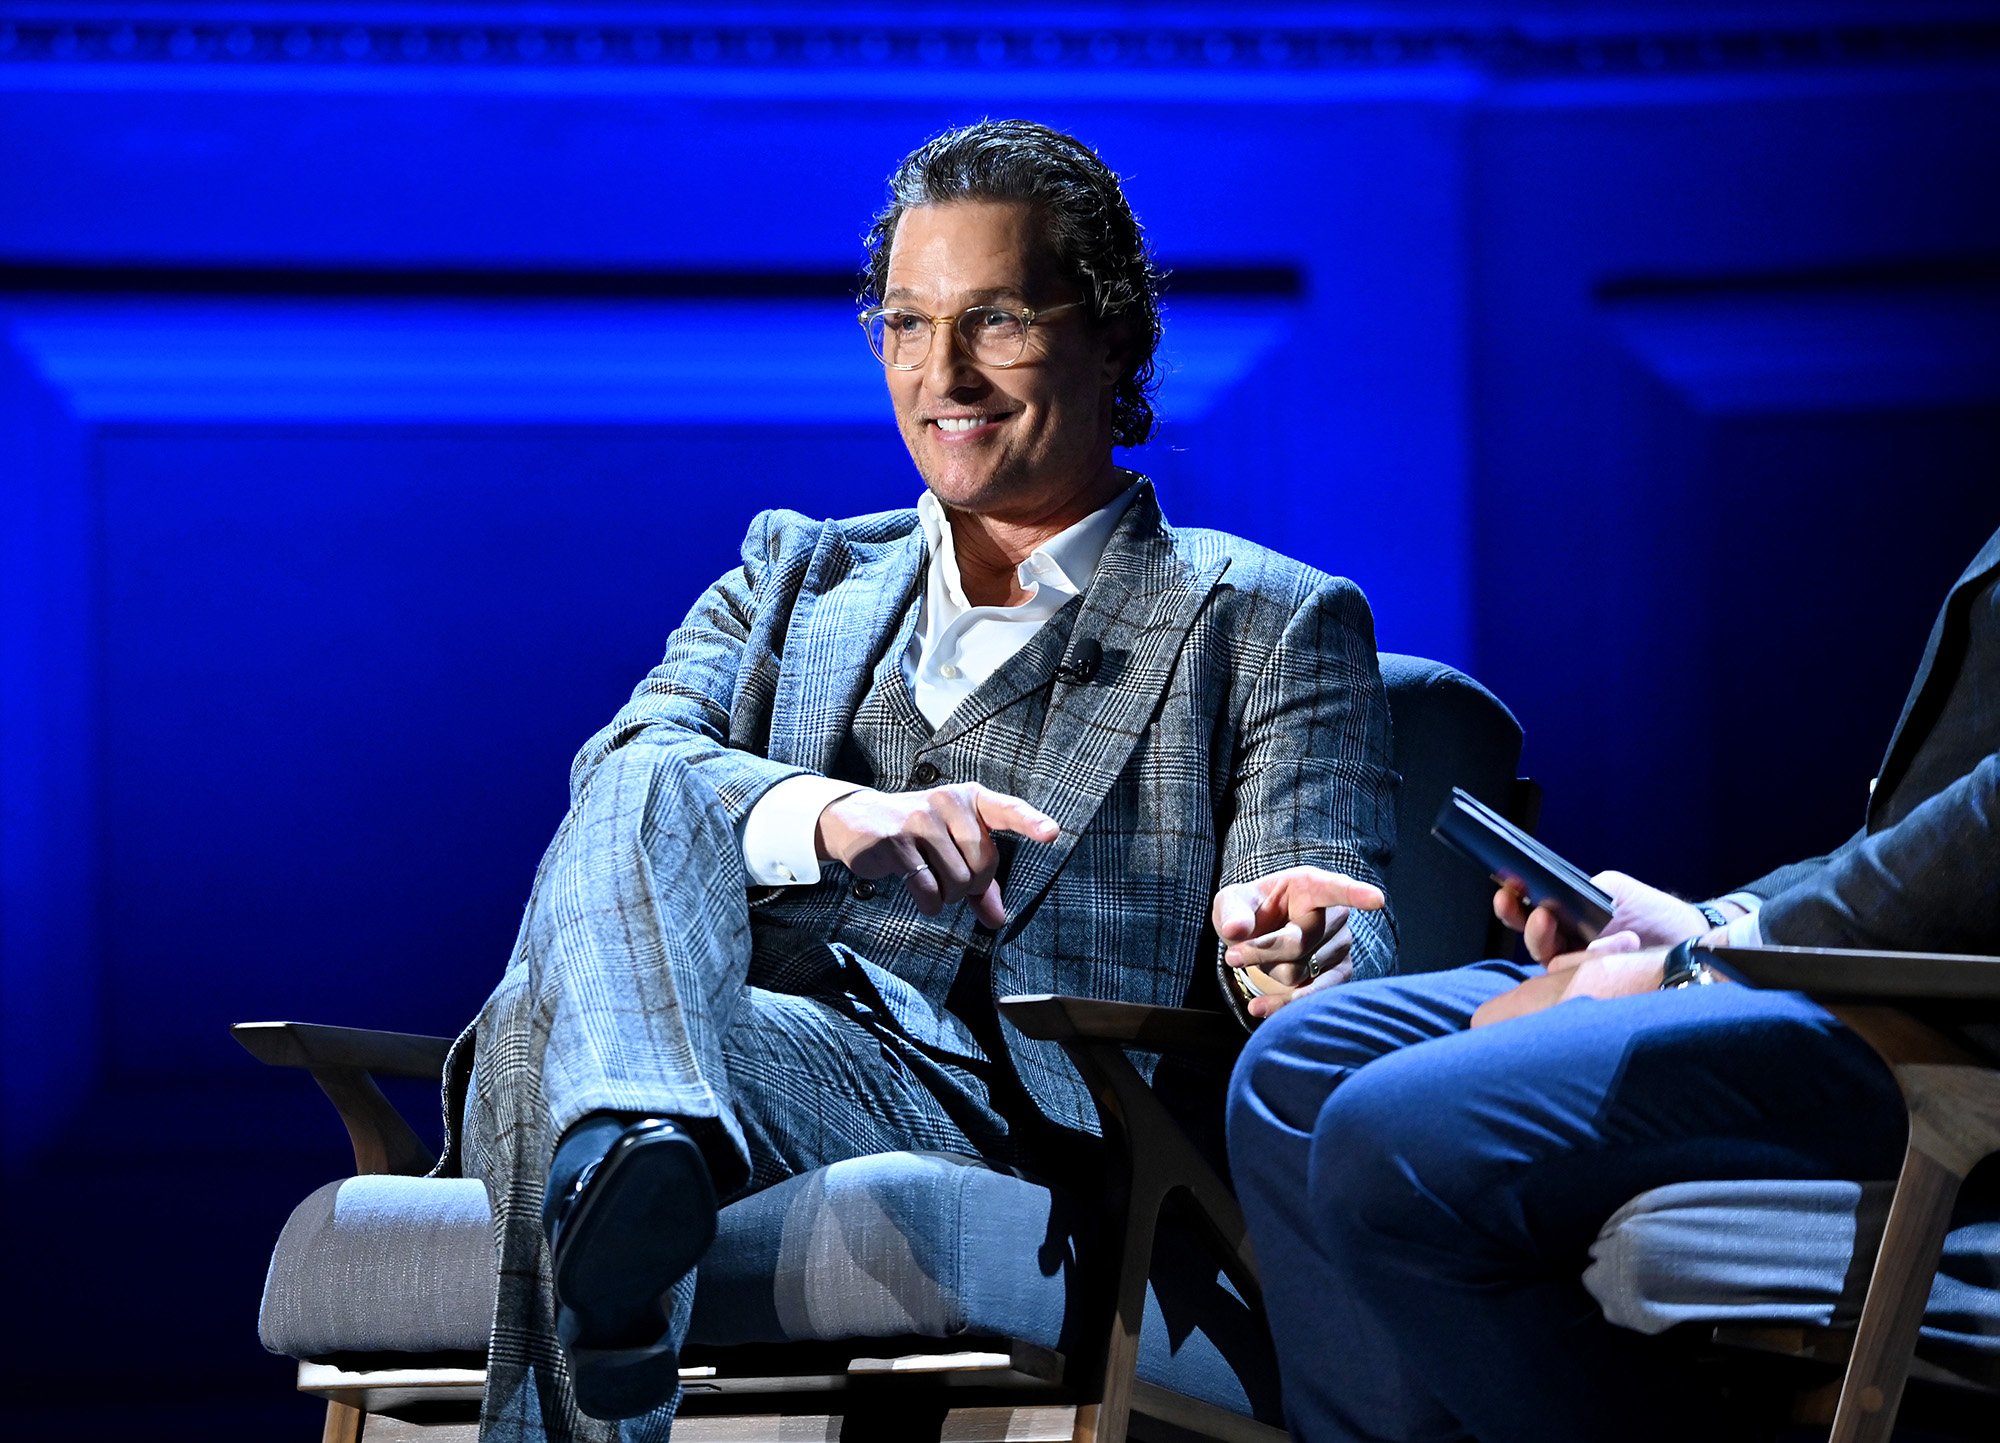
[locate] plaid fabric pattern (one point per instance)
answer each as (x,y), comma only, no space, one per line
(1236,725)
(992,738)
(612,1001)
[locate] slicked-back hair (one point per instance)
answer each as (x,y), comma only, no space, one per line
(1091,233)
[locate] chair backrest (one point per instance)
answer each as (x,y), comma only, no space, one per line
(1448,731)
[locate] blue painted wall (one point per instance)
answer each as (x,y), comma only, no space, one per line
(360,441)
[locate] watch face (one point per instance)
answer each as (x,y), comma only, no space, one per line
(1253,982)
(1684,967)
(1694,974)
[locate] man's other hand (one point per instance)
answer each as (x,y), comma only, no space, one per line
(1641,916)
(1293,926)
(1620,969)
(940,841)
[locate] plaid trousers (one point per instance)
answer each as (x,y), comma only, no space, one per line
(783,1081)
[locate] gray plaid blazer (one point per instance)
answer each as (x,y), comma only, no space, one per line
(1237,725)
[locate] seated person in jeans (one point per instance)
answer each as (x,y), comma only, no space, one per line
(1425,1160)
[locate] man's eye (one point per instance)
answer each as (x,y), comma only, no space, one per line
(903,322)
(995,319)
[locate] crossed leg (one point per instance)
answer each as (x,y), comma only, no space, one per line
(627,996)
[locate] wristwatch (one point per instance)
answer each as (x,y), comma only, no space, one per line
(1711,914)
(1687,966)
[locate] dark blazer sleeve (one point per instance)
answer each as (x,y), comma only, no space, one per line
(1794,874)
(1931,882)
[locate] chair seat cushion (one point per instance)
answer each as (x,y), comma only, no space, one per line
(926,1243)
(383,1264)
(888,1246)
(1783,1252)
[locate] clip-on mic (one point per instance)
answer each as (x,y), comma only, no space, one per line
(1084,661)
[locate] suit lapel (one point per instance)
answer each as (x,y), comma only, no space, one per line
(1982,566)
(853,598)
(1138,608)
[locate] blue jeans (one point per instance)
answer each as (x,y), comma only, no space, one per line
(1422,1197)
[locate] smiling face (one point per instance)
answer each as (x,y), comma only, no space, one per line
(1028,443)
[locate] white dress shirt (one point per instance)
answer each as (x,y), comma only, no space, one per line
(955,648)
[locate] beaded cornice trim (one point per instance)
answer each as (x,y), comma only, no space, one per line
(357,35)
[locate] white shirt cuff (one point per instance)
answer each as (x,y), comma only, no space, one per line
(1748,901)
(1744,931)
(779,848)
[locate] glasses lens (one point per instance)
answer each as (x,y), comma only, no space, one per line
(992,336)
(902,338)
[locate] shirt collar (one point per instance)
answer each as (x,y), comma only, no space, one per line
(1066,561)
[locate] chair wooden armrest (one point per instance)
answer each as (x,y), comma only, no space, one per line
(345,1061)
(1153,1029)
(1953,1097)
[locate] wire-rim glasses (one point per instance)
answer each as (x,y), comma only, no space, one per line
(991,335)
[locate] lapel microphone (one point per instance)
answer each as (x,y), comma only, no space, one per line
(1084,661)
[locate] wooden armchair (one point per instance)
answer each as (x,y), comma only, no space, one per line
(978,1387)
(1907,1006)
(1835,1276)
(1089,1345)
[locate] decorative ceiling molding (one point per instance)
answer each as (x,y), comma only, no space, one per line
(331,35)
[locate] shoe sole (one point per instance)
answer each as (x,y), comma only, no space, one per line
(646,1218)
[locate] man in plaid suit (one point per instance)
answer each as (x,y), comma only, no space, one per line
(1022,738)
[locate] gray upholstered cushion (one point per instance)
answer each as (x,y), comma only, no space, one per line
(901,1243)
(939,1246)
(1783,1252)
(382,1264)
(895,1245)
(927,1244)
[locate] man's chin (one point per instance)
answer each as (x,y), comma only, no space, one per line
(961,490)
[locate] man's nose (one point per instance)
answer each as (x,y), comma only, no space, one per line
(948,361)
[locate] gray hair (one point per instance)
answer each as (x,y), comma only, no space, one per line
(1095,237)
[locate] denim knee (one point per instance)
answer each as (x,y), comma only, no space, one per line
(1395,1162)
(1293,1061)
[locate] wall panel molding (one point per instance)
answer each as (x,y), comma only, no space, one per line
(1799,349)
(146,360)
(51,1013)
(280,578)
(1215,40)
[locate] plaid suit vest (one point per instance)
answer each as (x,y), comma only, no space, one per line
(932,975)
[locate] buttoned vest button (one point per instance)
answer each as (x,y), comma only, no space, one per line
(923,774)
(864,889)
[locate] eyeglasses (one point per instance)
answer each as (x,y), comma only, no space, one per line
(991,335)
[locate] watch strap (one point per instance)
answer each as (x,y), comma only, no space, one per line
(1686,966)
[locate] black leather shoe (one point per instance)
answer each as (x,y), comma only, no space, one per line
(624,1233)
